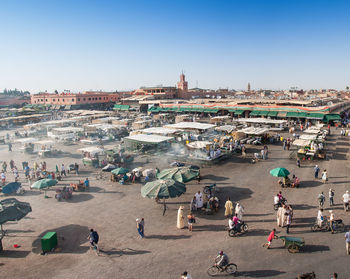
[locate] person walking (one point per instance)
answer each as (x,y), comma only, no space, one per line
(191,220)
(94,238)
(284,144)
(63,170)
(140,227)
(4,166)
(331,197)
(331,220)
(316,171)
(335,276)
(271,237)
(321,199)
(239,210)
(346,198)
(228,208)
(10,146)
(180,218)
(324,176)
(347,242)
(298,163)
(3,178)
(288,221)
(76,168)
(12,164)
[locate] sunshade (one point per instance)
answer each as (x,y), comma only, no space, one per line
(163,189)
(180,174)
(13,210)
(11,187)
(279,172)
(44,183)
(120,171)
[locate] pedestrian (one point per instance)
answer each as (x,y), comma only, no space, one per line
(199,179)
(185,275)
(331,197)
(3,178)
(298,163)
(10,146)
(180,218)
(280,212)
(191,220)
(239,210)
(288,221)
(272,236)
(263,154)
(346,198)
(316,170)
(324,176)
(244,154)
(228,208)
(321,199)
(87,183)
(94,237)
(335,276)
(284,144)
(12,164)
(347,242)
(199,199)
(4,166)
(266,149)
(140,227)
(63,170)
(331,220)
(76,168)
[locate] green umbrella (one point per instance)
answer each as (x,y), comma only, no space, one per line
(120,171)
(163,189)
(43,184)
(12,210)
(180,174)
(279,172)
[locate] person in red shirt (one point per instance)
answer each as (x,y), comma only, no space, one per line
(270,238)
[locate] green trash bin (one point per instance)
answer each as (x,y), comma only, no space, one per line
(49,241)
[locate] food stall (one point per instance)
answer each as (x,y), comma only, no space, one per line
(27,144)
(309,147)
(44,148)
(91,154)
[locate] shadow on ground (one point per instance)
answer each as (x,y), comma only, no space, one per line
(13,254)
(125,251)
(81,197)
(259,273)
(167,237)
(315,248)
(69,239)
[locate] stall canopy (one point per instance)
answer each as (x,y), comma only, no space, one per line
(149,139)
(26,140)
(191,126)
(239,112)
(331,117)
(301,142)
(254,131)
(318,116)
(92,150)
(308,137)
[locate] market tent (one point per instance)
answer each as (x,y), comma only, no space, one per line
(301,142)
(13,210)
(120,171)
(11,187)
(296,114)
(318,116)
(44,183)
(263,112)
(273,113)
(331,117)
(254,113)
(239,112)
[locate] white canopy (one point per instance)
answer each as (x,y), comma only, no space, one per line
(260,120)
(226,128)
(190,125)
(312,130)
(44,142)
(92,150)
(301,142)
(254,131)
(308,137)
(148,138)
(198,144)
(159,131)
(26,140)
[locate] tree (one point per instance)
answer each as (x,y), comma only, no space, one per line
(347,88)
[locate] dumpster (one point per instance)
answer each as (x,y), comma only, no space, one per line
(49,241)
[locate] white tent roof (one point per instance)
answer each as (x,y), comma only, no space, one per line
(191,125)
(92,150)
(313,130)
(260,120)
(159,131)
(148,138)
(69,129)
(308,137)
(198,144)
(301,142)
(26,140)
(254,131)
(226,128)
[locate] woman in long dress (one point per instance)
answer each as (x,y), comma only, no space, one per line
(180,218)
(239,210)
(228,208)
(199,199)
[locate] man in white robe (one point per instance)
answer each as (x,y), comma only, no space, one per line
(199,199)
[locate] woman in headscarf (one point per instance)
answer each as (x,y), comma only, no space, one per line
(239,210)
(180,218)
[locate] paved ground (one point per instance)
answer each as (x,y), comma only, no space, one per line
(111,209)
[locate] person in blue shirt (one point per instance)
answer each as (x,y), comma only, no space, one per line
(87,182)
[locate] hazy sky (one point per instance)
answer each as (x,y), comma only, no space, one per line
(117,45)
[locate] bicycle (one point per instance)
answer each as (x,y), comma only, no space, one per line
(231,268)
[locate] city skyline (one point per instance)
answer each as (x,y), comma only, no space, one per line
(100,45)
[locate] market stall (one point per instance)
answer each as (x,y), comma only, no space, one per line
(91,155)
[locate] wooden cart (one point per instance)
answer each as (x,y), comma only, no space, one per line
(293,244)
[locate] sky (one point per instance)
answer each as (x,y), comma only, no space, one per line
(122,45)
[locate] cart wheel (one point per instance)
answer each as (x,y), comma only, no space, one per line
(315,228)
(340,227)
(293,248)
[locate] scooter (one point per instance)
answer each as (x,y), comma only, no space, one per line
(239,229)
(280,204)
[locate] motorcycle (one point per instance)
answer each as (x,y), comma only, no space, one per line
(240,228)
(280,204)
(338,226)
(211,189)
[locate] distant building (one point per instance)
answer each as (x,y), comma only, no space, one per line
(85,99)
(182,86)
